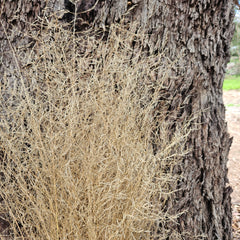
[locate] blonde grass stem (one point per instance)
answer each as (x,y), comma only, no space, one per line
(80,164)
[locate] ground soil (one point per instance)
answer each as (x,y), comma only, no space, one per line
(232,103)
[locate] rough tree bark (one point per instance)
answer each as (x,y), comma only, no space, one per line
(199,32)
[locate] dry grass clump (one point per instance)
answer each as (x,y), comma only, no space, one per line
(77,133)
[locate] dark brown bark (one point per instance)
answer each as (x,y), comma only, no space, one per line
(198,33)
(17,18)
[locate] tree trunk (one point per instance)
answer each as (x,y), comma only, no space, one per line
(199,34)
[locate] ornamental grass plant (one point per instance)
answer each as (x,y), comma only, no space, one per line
(77,136)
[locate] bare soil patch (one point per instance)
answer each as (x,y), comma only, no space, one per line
(232,102)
